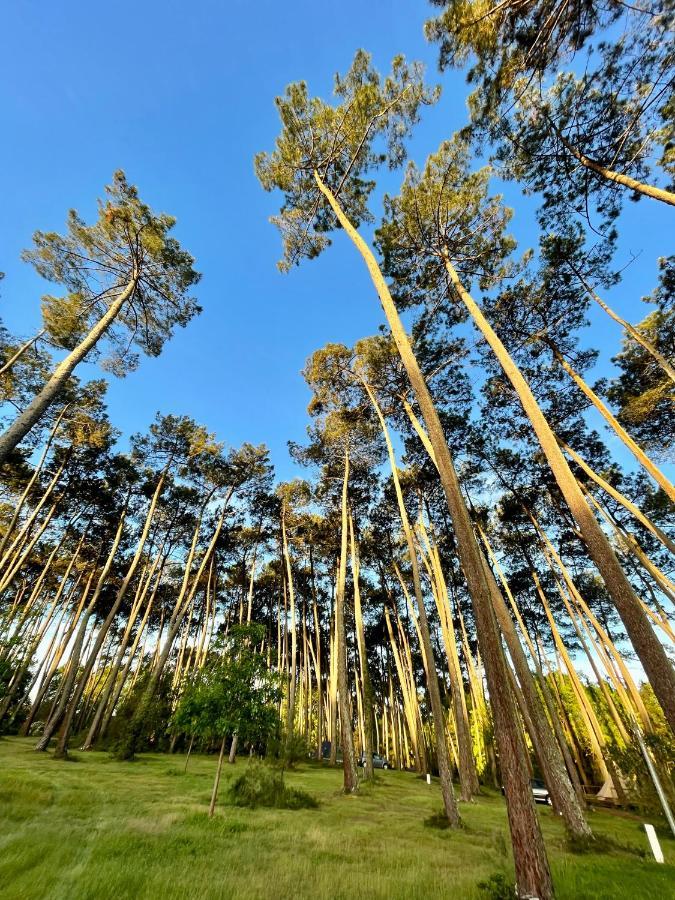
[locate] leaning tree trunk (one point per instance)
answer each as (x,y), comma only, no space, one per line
(648,647)
(444,771)
(366,682)
(531,864)
(637,336)
(32,414)
(564,798)
(546,693)
(216,783)
(55,720)
(635,511)
(351,783)
(21,350)
(130,741)
(290,713)
(467,768)
(640,187)
(29,486)
(647,464)
(62,747)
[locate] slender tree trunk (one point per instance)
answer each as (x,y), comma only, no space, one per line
(648,647)
(620,498)
(131,740)
(614,423)
(543,685)
(290,713)
(32,414)
(533,876)
(449,801)
(647,190)
(21,350)
(232,758)
(466,764)
(62,747)
(55,720)
(548,751)
(637,336)
(36,471)
(216,783)
(366,683)
(317,630)
(351,783)
(111,680)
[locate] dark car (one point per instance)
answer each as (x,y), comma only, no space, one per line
(379,762)
(539,791)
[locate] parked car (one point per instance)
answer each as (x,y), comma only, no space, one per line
(539,791)
(379,762)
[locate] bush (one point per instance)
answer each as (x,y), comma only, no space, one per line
(260,785)
(497,887)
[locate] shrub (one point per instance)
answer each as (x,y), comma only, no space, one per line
(260,785)
(497,887)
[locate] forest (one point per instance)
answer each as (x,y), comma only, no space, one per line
(466,592)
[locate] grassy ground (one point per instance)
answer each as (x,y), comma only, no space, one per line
(95,828)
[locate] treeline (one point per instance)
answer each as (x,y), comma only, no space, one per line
(464,544)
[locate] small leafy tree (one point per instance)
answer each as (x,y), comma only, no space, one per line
(235,694)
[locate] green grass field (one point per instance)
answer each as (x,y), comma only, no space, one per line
(96,828)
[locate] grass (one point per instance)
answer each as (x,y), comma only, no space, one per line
(95,828)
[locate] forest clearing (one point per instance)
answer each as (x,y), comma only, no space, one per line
(95,829)
(337,451)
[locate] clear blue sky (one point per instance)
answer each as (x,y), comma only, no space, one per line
(180,95)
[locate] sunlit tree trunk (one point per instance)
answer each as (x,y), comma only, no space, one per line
(616,426)
(31,482)
(466,767)
(532,870)
(620,498)
(648,647)
(76,653)
(637,336)
(640,187)
(348,761)
(32,414)
(366,683)
(290,712)
(548,750)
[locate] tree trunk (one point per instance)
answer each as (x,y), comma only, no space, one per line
(216,783)
(630,329)
(449,801)
(290,712)
(647,190)
(564,798)
(129,744)
(366,682)
(533,876)
(32,414)
(620,498)
(351,783)
(648,647)
(232,758)
(105,627)
(466,765)
(21,350)
(614,423)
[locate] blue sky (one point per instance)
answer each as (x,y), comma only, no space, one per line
(181,97)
